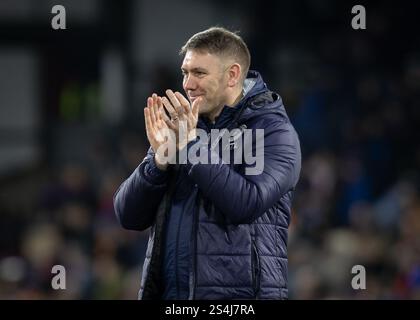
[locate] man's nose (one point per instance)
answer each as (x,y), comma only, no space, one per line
(190,83)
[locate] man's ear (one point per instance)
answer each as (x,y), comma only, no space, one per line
(234,74)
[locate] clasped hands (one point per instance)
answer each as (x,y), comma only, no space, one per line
(169,134)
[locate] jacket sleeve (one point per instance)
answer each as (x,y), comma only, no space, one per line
(241,197)
(137,199)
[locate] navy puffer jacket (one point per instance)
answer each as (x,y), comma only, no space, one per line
(239,229)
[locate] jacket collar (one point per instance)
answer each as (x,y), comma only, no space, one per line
(253,85)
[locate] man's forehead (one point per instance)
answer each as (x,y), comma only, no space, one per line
(199,59)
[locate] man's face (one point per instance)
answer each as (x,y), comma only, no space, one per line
(204,75)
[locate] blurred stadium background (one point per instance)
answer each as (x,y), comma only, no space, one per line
(71,130)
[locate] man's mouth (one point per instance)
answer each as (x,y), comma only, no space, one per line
(192,98)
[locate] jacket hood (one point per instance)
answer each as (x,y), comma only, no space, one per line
(257,100)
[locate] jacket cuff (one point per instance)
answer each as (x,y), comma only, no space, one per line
(153,174)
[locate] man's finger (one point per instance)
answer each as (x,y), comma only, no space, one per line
(149,110)
(155,107)
(149,102)
(168,121)
(195,107)
(147,120)
(172,112)
(174,100)
(159,107)
(184,102)
(152,110)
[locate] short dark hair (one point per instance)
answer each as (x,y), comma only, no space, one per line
(222,42)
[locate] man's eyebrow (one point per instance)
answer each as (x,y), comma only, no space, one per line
(197,69)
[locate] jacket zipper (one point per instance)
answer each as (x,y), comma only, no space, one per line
(255,265)
(176,253)
(193,270)
(177,239)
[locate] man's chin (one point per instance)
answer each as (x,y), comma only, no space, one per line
(202,105)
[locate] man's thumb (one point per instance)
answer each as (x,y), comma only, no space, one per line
(195,105)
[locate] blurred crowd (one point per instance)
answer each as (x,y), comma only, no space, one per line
(65,216)
(354,103)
